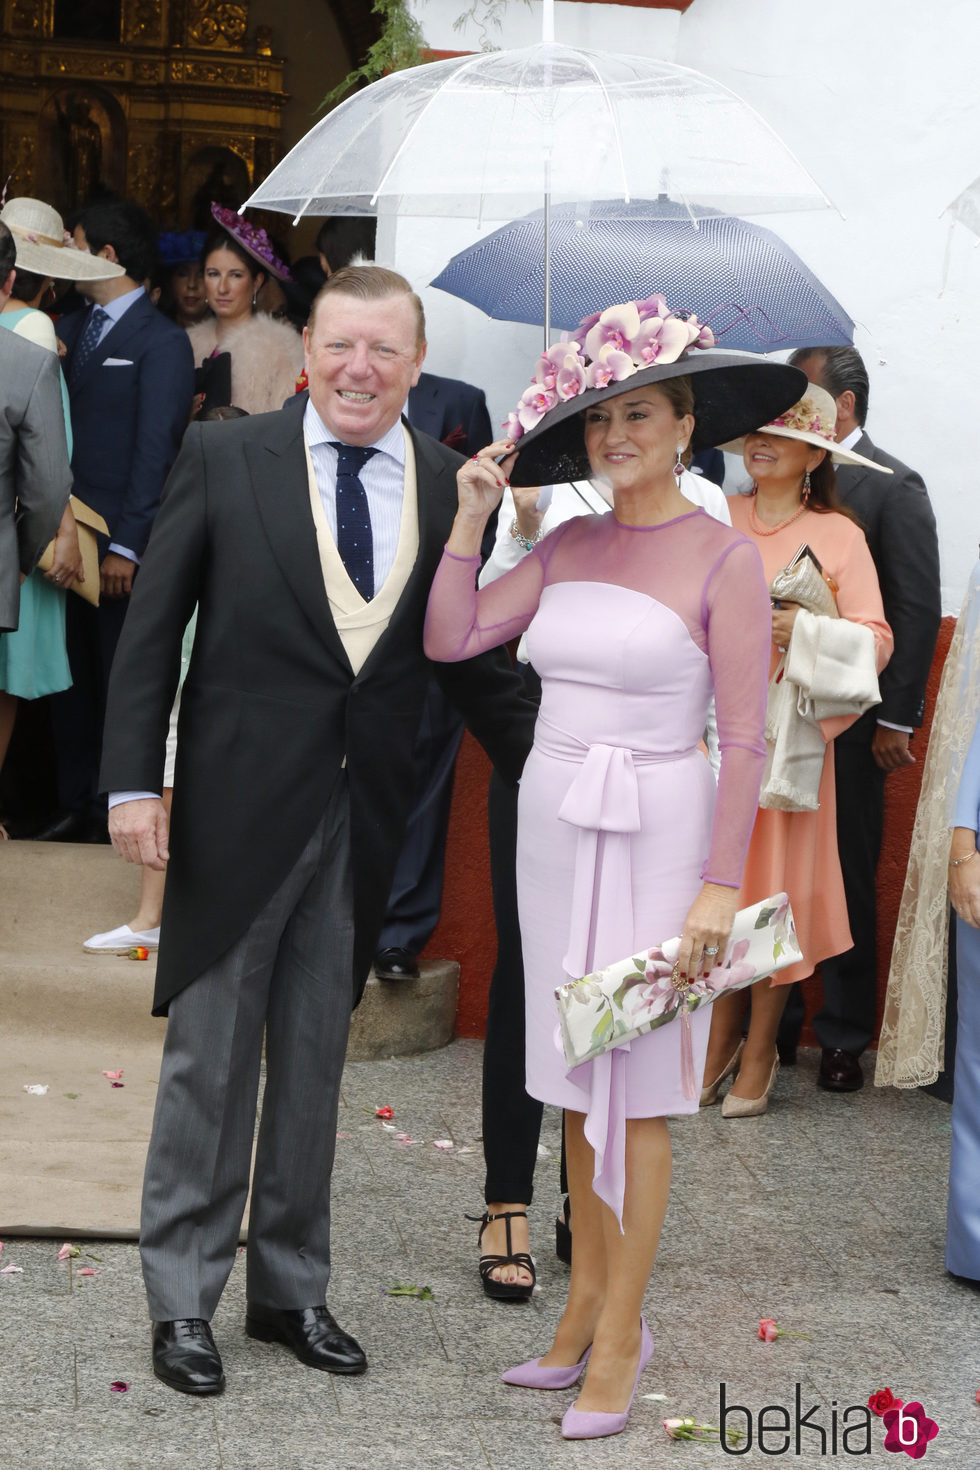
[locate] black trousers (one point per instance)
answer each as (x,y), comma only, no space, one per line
(416,891)
(511,1119)
(78,714)
(850,981)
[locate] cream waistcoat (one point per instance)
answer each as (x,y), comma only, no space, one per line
(359,623)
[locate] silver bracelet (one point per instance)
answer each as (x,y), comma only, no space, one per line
(522,541)
(958,862)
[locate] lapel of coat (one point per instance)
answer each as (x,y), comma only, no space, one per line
(280,485)
(436,502)
(850,476)
(423,406)
(118,341)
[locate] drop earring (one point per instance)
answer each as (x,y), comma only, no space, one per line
(255,297)
(679,466)
(806,487)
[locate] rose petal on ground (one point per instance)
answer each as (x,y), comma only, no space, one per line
(12,1271)
(442,1143)
(118,1386)
(389,1127)
(117,1084)
(68,1250)
(113,1075)
(37,1089)
(543,1152)
(88,1271)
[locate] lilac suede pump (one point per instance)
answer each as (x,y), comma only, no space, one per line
(593,1425)
(535,1374)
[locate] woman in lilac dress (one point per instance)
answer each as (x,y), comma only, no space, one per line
(633,620)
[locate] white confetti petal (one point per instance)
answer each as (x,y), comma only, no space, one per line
(37,1088)
(442,1143)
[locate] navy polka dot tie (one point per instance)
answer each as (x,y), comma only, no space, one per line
(89,340)
(355,541)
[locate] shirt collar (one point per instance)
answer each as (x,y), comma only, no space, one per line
(852,438)
(316,432)
(117,308)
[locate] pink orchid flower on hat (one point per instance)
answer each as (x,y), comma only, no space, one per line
(513,428)
(572,379)
(610,365)
(616,328)
(534,404)
(551,362)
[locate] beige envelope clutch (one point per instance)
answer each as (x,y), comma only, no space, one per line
(88,522)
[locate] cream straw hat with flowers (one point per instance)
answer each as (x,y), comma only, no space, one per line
(39,235)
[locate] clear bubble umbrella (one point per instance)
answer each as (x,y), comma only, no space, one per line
(492,135)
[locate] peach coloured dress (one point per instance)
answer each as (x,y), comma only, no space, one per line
(796,852)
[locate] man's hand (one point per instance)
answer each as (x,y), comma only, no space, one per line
(139,832)
(890,748)
(116,575)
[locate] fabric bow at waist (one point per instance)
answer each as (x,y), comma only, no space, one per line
(603,802)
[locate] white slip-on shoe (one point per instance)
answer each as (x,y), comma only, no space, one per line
(122,940)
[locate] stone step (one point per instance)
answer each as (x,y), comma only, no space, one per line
(53,895)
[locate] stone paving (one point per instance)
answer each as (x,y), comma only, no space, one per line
(827,1214)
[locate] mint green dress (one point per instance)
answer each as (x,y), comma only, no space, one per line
(34,658)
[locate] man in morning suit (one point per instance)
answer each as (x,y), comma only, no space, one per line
(308,542)
(35,479)
(901,529)
(130,375)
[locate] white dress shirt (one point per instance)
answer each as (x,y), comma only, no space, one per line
(383,478)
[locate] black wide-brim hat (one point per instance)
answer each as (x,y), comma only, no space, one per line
(734,393)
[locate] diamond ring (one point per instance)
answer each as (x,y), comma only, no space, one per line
(711,949)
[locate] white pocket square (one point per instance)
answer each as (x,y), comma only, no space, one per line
(118,362)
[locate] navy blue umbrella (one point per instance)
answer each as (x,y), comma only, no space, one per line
(742,280)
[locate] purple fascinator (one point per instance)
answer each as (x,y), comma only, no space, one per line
(255,241)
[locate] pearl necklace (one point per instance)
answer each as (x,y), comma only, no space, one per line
(761,529)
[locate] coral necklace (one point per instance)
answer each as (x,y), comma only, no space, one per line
(761,529)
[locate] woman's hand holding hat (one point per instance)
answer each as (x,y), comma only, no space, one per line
(480,484)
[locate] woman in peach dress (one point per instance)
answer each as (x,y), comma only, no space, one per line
(793,500)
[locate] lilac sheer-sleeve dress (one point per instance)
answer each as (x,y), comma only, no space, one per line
(631,629)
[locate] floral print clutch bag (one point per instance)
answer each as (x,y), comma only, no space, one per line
(613,1006)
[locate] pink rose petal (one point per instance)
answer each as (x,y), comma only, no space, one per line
(68,1250)
(442,1143)
(88,1271)
(112,1075)
(12,1271)
(117,1084)
(118,1386)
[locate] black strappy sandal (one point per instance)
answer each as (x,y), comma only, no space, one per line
(505,1291)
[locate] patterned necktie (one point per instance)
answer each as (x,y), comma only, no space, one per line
(355,541)
(89,340)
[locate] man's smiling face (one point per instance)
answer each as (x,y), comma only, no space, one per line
(361,359)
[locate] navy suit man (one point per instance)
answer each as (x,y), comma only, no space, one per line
(130,378)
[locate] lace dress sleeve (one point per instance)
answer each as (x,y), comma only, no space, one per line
(739,626)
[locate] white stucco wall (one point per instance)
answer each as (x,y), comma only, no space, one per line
(879,99)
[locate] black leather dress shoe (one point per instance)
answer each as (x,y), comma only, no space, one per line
(71,827)
(185,1357)
(312,1334)
(396,964)
(840,1071)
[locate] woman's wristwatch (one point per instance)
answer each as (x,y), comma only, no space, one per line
(523,541)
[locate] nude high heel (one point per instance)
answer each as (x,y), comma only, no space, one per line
(749,1107)
(709,1094)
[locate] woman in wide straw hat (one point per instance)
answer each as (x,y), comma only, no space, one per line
(794,841)
(633,619)
(33,659)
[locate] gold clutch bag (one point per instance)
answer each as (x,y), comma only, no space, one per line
(88,522)
(805,582)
